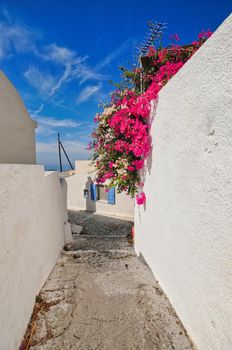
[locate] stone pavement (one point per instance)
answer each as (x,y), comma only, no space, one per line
(101,296)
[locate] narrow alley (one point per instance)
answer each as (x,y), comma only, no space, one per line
(100,295)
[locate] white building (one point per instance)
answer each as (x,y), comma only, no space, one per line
(17,129)
(84,195)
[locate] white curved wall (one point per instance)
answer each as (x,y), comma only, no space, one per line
(185,231)
(17,129)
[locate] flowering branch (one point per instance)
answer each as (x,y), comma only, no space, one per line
(121,141)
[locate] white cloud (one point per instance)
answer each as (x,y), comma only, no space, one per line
(86,73)
(59,54)
(49,126)
(74,66)
(19,39)
(63,56)
(44,130)
(114,54)
(61,104)
(62,79)
(57,123)
(6,14)
(38,110)
(15,38)
(71,147)
(87,92)
(43,82)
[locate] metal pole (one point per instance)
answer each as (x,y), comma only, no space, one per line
(66,155)
(141,74)
(59,153)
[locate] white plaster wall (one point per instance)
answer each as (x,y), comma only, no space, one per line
(123,207)
(185,231)
(32,216)
(17,129)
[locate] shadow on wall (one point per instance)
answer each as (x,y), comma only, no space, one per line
(150,159)
(90,204)
(148,163)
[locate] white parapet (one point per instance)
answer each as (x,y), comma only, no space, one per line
(185,231)
(32,218)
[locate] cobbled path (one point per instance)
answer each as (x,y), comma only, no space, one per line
(101,296)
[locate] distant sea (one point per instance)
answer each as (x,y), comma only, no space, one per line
(56,167)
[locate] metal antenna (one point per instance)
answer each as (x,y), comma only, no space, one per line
(155,30)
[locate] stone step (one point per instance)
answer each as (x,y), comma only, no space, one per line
(99,243)
(93,255)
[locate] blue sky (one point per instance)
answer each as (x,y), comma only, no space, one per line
(60,55)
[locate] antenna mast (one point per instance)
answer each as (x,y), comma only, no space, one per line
(155,31)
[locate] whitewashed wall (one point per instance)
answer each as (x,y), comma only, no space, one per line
(185,231)
(32,219)
(123,207)
(17,129)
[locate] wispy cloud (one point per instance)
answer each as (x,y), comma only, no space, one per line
(38,110)
(86,73)
(6,14)
(63,56)
(19,39)
(64,123)
(49,125)
(41,81)
(68,65)
(88,92)
(15,39)
(60,103)
(106,61)
(75,66)
(65,65)
(70,147)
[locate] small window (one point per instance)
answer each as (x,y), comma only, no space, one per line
(86,193)
(102,195)
(99,193)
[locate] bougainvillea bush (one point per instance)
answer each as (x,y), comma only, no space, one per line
(121,141)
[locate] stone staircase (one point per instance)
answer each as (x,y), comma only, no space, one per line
(94,232)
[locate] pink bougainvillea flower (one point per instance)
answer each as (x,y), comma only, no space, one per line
(151,51)
(140,198)
(108,175)
(100,180)
(122,135)
(205,34)
(175,37)
(138,164)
